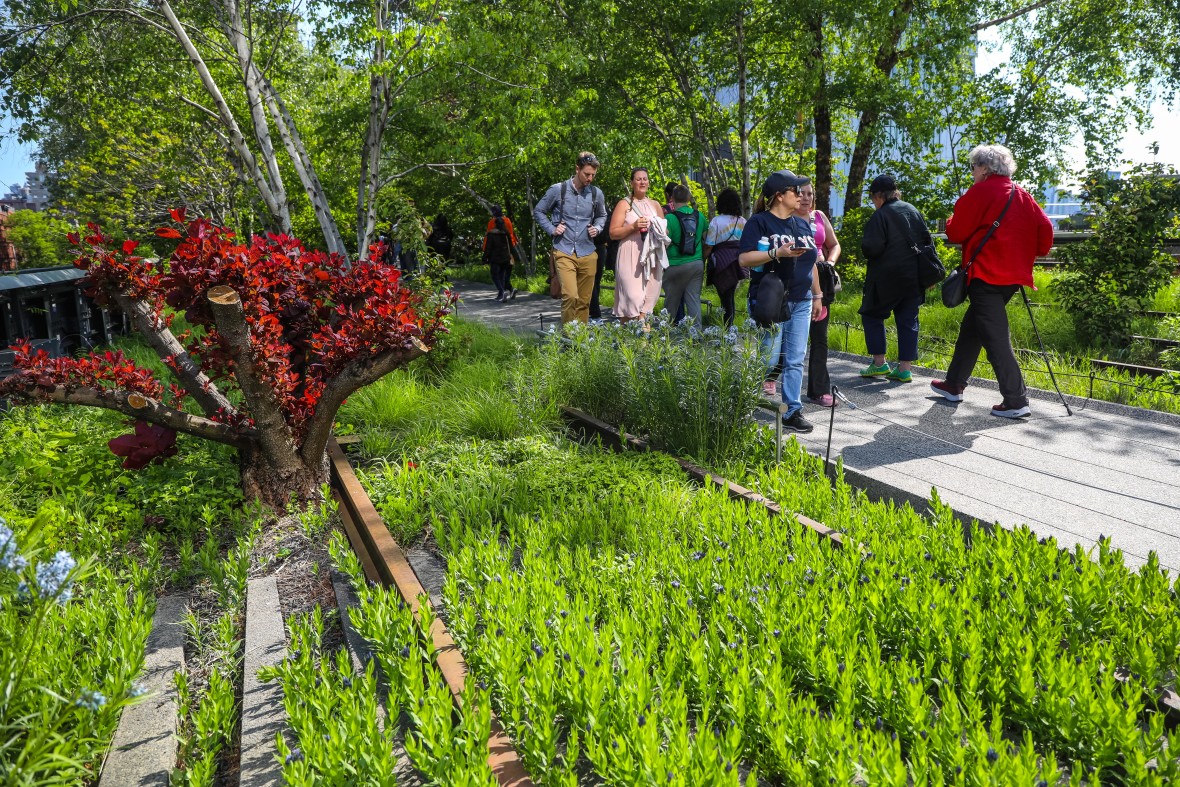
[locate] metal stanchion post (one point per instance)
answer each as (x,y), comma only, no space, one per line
(831,423)
(778,432)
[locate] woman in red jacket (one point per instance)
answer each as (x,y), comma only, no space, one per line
(1003,266)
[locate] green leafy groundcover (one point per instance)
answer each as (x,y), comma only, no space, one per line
(629,623)
(81,560)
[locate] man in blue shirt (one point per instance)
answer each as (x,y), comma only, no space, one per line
(573,212)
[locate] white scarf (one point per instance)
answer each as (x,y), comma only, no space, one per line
(654,255)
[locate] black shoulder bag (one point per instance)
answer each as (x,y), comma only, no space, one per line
(930,268)
(954,289)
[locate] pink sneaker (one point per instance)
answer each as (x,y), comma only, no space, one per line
(770,388)
(827,400)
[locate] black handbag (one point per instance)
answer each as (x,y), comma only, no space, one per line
(954,289)
(767,310)
(829,281)
(930,268)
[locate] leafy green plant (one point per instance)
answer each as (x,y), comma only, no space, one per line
(59,700)
(615,612)
(1122,266)
(340,735)
(690,391)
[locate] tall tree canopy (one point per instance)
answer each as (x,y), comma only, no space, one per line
(305,118)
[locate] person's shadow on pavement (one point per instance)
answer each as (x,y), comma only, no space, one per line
(943,429)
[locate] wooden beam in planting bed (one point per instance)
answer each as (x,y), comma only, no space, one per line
(385,562)
(591,426)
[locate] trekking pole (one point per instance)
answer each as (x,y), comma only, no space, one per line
(1045,355)
(831,423)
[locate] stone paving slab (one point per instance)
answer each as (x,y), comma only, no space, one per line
(144,749)
(262,703)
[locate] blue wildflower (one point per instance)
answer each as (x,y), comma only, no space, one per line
(296,755)
(10,556)
(90,699)
(137,690)
(676,584)
(992,756)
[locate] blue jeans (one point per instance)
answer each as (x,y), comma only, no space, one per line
(785,345)
(905,317)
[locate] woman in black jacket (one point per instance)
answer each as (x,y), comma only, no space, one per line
(891,282)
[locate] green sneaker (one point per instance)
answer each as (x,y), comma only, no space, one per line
(898,376)
(876,371)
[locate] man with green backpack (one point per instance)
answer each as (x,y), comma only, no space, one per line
(686,266)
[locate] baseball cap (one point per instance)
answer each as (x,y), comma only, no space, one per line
(780,181)
(883,184)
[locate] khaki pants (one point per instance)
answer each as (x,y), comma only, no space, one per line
(576,275)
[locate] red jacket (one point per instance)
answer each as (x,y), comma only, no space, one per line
(1024,234)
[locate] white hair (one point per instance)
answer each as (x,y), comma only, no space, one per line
(996,158)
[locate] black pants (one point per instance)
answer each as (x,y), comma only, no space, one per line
(502,277)
(818,381)
(595,309)
(727,306)
(985,326)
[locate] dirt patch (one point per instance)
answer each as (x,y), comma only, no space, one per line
(302,569)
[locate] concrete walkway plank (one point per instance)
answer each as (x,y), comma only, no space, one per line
(144,748)
(262,703)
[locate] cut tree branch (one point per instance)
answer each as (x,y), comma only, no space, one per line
(162,340)
(355,376)
(274,435)
(136,405)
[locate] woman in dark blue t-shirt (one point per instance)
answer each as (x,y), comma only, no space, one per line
(791,256)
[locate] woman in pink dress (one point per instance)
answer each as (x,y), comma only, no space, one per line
(637,286)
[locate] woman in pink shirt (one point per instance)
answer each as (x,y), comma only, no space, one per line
(819,384)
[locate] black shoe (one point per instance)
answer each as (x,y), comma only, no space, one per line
(499,298)
(512,295)
(797,423)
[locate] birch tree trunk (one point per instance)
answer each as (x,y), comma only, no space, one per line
(232,26)
(276,203)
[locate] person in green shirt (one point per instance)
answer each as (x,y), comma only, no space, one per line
(686,266)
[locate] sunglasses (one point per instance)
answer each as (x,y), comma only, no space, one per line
(588,159)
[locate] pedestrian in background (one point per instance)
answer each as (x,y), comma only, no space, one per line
(441,239)
(686,266)
(606,249)
(819,383)
(891,279)
(1001,267)
(722,246)
(637,280)
(573,212)
(499,240)
(783,245)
